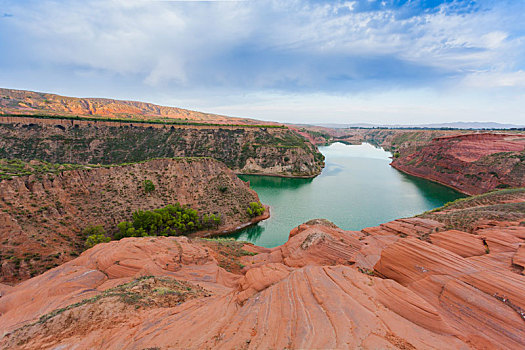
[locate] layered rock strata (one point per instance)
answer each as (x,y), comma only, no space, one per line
(472,164)
(244,149)
(43,215)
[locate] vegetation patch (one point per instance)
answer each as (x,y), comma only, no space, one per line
(146,291)
(141,121)
(465,213)
(227,252)
(255,209)
(14,167)
(172,220)
(95,235)
(148,186)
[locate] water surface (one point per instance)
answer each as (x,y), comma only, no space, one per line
(357,189)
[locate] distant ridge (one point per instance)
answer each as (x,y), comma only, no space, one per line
(454,125)
(39,103)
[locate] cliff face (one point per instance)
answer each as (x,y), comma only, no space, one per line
(473,163)
(409,284)
(467,160)
(42,215)
(29,102)
(272,151)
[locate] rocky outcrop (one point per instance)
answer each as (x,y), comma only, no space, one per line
(472,164)
(402,285)
(42,215)
(244,149)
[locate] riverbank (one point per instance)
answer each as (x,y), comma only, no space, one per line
(233,228)
(356,189)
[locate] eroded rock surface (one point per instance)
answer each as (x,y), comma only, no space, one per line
(471,163)
(388,287)
(42,215)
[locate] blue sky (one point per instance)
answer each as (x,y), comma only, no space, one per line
(295,61)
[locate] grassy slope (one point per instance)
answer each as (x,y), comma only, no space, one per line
(466,213)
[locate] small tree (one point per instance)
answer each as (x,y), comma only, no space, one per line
(95,239)
(148,186)
(93,230)
(255,209)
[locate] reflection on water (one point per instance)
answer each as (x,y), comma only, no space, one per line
(275,182)
(250,234)
(357,189)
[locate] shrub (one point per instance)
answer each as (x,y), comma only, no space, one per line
(255,209)
(95,239)
(148,186)
(93,230)
(171,220)
(396,154)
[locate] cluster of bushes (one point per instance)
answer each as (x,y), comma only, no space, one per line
(17,167)
(255,209)
(171,220)
(148,186)
(95,235)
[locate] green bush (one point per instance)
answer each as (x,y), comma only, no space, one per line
(93,230)
(255,209)
(95,239)
(172,220)
(148,186)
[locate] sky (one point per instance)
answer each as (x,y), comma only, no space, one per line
(362,61)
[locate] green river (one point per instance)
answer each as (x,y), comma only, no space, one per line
(357,188)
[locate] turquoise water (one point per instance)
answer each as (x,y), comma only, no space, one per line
(356,189)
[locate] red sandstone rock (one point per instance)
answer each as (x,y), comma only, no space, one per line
(303,294)
(459,242)
(471,163)
(519,257)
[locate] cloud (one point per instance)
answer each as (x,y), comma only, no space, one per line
(488,80)
(303,43)
(229,48)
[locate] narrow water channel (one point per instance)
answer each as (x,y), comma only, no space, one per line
(357,188)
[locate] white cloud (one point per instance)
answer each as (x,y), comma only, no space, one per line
(239,57)
(143,37)
(496,79)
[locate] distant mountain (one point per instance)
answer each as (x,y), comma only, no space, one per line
(455,125)
(29,102)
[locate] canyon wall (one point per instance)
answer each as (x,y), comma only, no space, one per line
(415,283)
(244,149)
(472,163)
(42,215)
(469,161)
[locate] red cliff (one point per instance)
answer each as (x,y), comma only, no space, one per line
(471,163)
